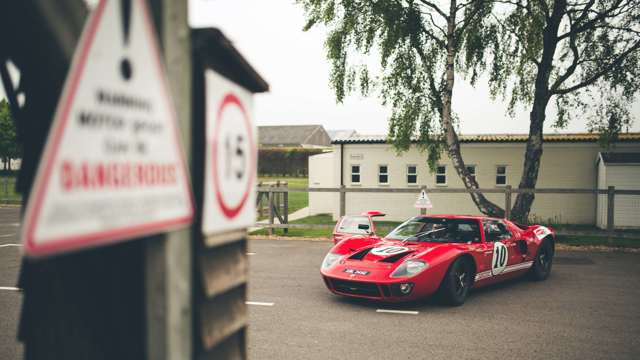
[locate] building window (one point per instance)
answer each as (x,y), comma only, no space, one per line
(441,175)
(383,174)
(472,171)
(412,174)
(501,175)
(355,174)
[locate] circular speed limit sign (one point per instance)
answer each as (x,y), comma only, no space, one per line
(234,156)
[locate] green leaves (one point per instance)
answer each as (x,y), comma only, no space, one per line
(8,140)
(409,40)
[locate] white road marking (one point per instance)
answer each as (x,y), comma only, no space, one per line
(10,245)
(258,303)
(249,253)
(10,288)
(7,235)
(405,312)
(10,224)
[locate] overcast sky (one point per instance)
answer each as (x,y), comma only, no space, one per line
(269,35)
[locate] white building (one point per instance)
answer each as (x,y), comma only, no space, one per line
(621,170)
(568,161)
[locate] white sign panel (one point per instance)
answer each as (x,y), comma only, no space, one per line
(423,201)
(113,166)
(231,157)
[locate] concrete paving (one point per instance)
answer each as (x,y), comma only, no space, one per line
(10,300)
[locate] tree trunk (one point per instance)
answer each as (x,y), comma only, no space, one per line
(533,152)
(453,144)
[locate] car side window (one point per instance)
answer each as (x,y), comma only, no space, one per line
(495,231)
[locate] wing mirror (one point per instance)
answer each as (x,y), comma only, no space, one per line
(363,227)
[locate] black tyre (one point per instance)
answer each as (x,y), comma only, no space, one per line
(456,283)
(543,262)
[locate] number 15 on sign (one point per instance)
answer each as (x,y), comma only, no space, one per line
(231,156)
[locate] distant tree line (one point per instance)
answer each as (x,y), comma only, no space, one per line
(9,148)
(285,161)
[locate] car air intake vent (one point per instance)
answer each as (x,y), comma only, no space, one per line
(394,258)
(360,255)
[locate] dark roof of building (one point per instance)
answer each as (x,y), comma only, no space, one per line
(289,134)
(496,138)
(217,51)
(620,157)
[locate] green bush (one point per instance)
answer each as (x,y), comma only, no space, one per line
(285,161)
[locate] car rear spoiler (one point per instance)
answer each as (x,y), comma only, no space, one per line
(373,213)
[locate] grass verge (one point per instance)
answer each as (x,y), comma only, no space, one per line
(384,227)
(8,194)
(297,200)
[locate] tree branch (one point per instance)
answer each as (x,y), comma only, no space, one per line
(590,24)
(436,8)
(574,63)
(617,61)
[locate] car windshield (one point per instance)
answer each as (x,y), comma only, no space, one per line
(426,229)
(349,225)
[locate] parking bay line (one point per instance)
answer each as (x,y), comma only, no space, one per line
(10,245)
(258,303)
(7,235)
(404,312)
(10,288)
(250,253)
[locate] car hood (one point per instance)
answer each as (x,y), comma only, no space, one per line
(390,251)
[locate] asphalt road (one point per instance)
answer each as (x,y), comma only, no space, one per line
(588,309)
(10,300)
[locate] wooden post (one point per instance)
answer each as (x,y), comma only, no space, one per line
(343,200)
(168,273)
(611,207)
(507,202)
(286,208)
(271,212)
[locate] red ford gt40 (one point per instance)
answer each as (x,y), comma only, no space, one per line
(443,254)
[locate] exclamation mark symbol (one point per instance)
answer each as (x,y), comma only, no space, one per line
(125,65)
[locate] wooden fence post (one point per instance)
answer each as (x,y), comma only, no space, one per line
(343,200)
(507,202)
(285,196)
(271,211)
(611,204)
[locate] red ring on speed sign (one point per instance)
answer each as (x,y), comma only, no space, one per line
(231,211)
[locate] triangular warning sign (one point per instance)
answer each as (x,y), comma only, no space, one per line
(423,201)
(113,166)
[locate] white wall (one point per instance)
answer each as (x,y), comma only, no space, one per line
(627,207)
(322,174)
(564,165)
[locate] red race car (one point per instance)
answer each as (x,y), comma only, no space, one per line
(425,255)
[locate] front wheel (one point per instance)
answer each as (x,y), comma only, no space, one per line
(542,264)
(456,283)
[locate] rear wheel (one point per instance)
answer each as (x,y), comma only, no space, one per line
(456,283)
(542,264)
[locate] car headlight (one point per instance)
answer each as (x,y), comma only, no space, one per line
(410,268)
(330,259)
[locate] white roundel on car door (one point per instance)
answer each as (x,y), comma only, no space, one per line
(500,257)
